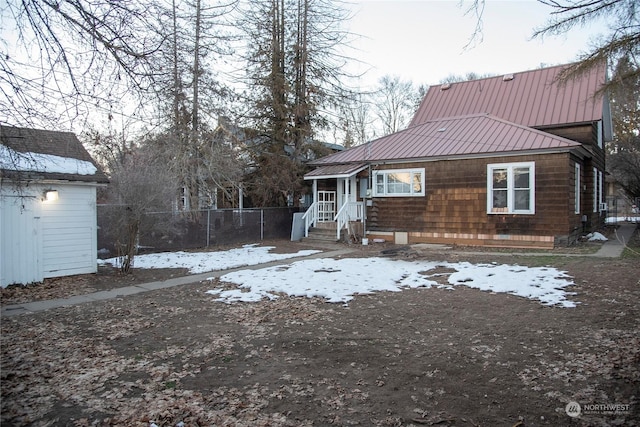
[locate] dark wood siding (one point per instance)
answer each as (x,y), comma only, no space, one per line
(587,134)
(580,133)
(456,200)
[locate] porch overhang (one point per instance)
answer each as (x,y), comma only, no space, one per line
(336,171)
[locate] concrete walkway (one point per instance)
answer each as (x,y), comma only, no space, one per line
(610,249)
(36,306)
(614,247)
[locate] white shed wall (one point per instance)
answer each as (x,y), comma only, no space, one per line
(42,239)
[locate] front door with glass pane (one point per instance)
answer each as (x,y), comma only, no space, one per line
(326,206)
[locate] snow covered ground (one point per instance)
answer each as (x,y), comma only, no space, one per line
(614,220)
(340,280)
(201,262)
(596,237)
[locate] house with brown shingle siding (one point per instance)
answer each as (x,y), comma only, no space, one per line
(510,161)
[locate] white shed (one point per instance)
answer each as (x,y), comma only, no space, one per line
(48,222)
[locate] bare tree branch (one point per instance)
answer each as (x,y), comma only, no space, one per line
(70,56)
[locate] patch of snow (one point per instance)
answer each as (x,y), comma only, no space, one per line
(202,262)
(45,163)
(614,220)
(338,281)
(596,237)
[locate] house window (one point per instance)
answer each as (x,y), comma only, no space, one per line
(511,188)
(399,183)
(577,188)
(600,134)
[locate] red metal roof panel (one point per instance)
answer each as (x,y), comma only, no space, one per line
(343,170)
(451,136)
(532,98)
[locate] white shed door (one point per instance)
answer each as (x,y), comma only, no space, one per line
(20,242)
(69,232)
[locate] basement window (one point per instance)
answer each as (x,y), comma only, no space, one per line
(398,183)
(511,188)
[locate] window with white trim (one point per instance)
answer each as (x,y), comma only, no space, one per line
(511,188)
(398,183)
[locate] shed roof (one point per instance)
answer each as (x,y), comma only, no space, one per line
(56,149)
(471,135)
(536,98)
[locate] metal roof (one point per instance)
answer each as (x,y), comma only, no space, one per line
(336,171)
(532,98)
(477,134)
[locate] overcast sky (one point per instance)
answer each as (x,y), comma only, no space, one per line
(424,40)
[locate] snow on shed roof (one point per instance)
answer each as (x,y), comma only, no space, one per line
(477,134)
(534,98)
(45,154)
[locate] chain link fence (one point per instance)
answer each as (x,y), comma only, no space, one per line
(622,209)
(170,231)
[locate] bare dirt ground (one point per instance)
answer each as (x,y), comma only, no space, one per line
(417,357)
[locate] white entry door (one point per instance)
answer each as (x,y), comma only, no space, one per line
(326,206)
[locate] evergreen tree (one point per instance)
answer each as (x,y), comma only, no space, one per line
(623,159)
(293,75)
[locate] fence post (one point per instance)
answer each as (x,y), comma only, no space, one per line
(208,225)
(261,224)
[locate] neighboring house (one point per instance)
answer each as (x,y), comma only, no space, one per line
(247,143)
(47,206)
(514,160)
(619,205)
(239,139)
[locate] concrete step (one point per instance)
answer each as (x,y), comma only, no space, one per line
(321,234)
(330,225)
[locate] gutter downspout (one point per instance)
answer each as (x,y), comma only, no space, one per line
(315,199)
(367,198)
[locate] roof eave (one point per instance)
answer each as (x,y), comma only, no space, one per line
(50,177)
(341,176)
(576,148)
(359,166)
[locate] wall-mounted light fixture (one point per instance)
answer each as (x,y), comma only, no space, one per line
(49,195)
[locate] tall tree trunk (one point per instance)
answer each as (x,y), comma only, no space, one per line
(193,186)
(177,86)
(196,69)
(301,107)
(278,77)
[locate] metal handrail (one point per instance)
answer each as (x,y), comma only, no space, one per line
(350,211)
(310,217)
